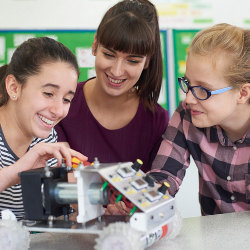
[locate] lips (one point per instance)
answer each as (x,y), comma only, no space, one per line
(46,120)
(196,112)
(115,82)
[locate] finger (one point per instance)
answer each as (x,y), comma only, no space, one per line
(122,208)
(65,153)
(112,209)
(106,211)
(78,155)
(122,205)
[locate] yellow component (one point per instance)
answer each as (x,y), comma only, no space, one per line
(165,197)
(145,204)
(139,161)
(166,184)
(118,179)
(144,190)
(133,191)
(139,174)
(114,179)
(74,165)
(75,162)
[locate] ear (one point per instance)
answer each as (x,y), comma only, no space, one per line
(13,87)
(94,46)
(244,94)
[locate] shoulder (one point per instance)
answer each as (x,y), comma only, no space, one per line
(182,113)
(79,97)
(79,90)
(156,120)
(161,112)
(51,138)
(160,116)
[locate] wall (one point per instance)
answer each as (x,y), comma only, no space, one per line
(81,14)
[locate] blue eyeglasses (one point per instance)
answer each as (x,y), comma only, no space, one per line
(199,92)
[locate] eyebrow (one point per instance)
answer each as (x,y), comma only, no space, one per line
(113,51)
(204,84)
(56,87)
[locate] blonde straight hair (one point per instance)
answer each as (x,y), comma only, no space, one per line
(232,41)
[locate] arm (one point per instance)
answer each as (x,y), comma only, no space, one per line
(173,156)
(36,158)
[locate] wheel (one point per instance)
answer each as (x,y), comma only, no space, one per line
(13,235)
(119,236)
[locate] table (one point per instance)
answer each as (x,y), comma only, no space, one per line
(214,232)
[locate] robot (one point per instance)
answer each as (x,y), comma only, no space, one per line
(48,196)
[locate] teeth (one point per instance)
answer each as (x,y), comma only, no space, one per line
(49,122)
(115,81)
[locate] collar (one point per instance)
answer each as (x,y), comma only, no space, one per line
(217,134)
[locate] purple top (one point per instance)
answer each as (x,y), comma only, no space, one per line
(140,139)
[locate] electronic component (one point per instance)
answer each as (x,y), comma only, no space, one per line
(126,172)
(153,195)
(47,194)
(139,184)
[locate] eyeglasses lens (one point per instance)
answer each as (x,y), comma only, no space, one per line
(183,85)
(200,93)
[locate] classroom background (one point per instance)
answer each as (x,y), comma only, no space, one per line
(74,23)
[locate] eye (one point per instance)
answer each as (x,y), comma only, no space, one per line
(48,94)
(66,100)
(108,54)
(134,61)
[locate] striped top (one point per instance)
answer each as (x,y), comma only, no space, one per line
(223,165)
(11,198)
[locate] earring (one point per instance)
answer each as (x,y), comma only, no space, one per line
(14,97)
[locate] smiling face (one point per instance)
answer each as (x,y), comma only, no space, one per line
(45,98)
(117,72)
(219,109)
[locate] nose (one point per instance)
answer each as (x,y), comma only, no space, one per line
(117,68)
(190,99)
(58,109)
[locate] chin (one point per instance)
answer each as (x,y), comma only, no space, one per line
(43,135)
(198,124)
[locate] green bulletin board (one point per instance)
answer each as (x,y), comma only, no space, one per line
(80,42)
(181,41)
(163,99)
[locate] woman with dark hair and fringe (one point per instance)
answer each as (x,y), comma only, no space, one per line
(36,89)
(115,116)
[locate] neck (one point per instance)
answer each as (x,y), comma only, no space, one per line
(239,126)
(112,112)
(95,95)
(17,140)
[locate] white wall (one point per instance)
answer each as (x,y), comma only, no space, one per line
(187,199)
(86,14)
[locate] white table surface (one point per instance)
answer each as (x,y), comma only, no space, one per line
(215,232)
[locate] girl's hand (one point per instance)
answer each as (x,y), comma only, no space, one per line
(37,158)
(42,152)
